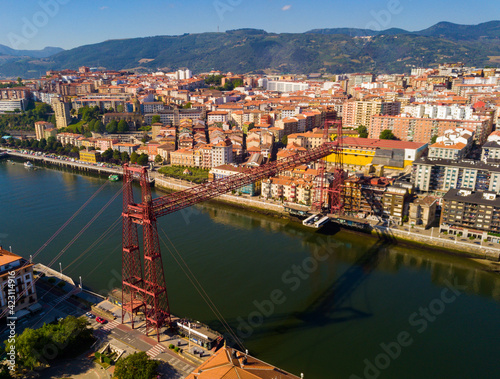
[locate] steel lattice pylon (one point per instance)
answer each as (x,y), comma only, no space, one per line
(334,191)
(145,290)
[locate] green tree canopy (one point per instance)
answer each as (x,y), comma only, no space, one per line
(117,155)
(433,139)
(65,338)
(112,126)
(136,366)
(143,159)
(156,118)
(124,157)
(107,155)
(387,134)
(284,140)
(122,126)
(133,157)
(158,159)
(362,131)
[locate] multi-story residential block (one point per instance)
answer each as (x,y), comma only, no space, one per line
(61,110)
(41,127)
(222,153)
(423,211)
(70,139)
(153,107)
(396,203)
(217,116)
(223,171)
(126,147)
(423,129)
(12,105)
(16,279)
(182,157)
(440,175)
(356,113)
(471,214)
(455,144)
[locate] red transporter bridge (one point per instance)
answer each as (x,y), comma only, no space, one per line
(144,290)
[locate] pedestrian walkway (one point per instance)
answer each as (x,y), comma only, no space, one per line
(155,350)
(111,325)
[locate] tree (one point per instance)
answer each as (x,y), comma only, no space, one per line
(112,127)
(117,155)
(156,118)
(107,155)
(387,134)
(137,365)
(158,159)
(188,105)
(67,338)
(133,157)
(99,127)
(122,126)
(284,140)
(433,139)
(124,157)
(143,159)
(362,131)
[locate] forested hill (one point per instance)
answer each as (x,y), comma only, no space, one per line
(249,50)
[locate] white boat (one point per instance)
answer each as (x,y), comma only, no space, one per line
(28,164)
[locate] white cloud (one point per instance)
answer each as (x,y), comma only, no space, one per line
(286,7)
(103,8)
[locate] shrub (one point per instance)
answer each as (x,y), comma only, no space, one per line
(61,284)
(97,354)
(171,346)
(52,280)
(445,232)
(472,238)
(107,360)
(176,349)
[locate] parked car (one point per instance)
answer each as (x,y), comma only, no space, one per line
(100,320)
(89,315)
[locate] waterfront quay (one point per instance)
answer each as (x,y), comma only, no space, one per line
(66,163)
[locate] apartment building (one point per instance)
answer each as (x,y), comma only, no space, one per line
(357,112)
(423,129)
(455,144)
(226,170)
(471,213)
(22,285)
(41,127)
(61,110)
(440,175)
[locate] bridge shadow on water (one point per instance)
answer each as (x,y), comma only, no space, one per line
(333,304)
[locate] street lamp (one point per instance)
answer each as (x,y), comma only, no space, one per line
(81,286)
(60,268)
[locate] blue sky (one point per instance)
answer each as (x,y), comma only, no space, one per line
(34,24)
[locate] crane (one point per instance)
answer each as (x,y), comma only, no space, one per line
(143,281)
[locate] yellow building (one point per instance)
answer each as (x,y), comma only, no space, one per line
(359,152)
(88,156)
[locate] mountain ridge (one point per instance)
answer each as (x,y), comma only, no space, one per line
(247,50)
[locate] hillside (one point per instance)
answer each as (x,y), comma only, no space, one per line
(249,50)
(46,52)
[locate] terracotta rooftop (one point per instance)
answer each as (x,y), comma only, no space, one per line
(229,363)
